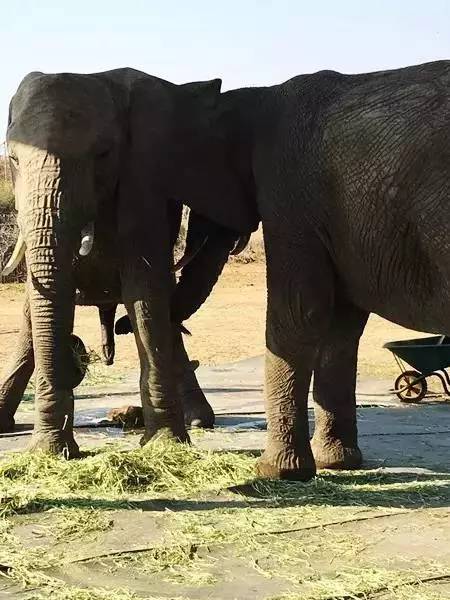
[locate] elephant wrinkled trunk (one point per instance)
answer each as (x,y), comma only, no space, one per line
(51,241)
(52,309)
(201,274)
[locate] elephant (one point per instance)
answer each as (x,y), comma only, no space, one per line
(350,176)
(99,161)
(21,369)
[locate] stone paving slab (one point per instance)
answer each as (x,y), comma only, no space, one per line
(389,541)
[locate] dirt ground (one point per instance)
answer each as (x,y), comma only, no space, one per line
(229,327)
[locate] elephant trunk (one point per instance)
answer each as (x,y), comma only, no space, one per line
(199,276)
(49,225)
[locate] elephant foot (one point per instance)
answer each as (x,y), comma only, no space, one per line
(54,442)
(197,411)
(165,433)
(286,466)
(108,352)
(128,417)
(331,453)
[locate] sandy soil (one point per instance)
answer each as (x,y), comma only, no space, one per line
(229,327)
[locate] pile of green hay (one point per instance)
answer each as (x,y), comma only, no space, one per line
(164,468)
(32,481)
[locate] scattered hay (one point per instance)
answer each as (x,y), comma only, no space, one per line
(362,488)
(255,527)
(175,564)
(365,583)
(75,523)
(29,481)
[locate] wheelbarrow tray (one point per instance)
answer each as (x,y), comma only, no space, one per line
(425,355)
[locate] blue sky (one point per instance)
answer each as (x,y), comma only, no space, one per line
(245,42)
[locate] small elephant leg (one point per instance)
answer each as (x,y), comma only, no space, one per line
(107,315)
(197,411)
(335,440)
(300,299)
(19,373)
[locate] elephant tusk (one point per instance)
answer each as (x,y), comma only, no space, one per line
(16,257)
(188,256)
(240,244)
(87,239)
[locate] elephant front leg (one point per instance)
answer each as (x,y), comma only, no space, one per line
(146,298)
(19,373)
(335,440)
(197,411)
(300,299)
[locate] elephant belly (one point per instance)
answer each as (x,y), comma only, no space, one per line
(412,291)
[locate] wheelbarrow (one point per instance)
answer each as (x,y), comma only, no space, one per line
(428,357)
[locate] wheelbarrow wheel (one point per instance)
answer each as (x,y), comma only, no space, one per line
(409,387)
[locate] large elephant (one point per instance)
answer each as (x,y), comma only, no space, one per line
(99,158)
(350,175)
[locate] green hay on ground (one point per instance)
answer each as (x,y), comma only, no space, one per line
(362,488)
(175,564)
(365,583)
(72,523)
(32,480)
(113,477)
(39,481)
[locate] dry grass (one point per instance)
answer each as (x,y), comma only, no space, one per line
(229,327)
(31,481)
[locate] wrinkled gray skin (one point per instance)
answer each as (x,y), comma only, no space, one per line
(350,175)
(21,368)
(111,149)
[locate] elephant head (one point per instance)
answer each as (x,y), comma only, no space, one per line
(64,135)
(220,224)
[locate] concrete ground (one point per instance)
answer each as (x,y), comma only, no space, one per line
(406,441)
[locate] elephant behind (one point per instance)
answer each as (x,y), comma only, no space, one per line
(97,160)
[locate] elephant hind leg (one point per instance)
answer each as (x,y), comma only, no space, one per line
(18,375)
(335,440)
(197,411)
(300,303)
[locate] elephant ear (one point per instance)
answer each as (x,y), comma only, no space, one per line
(206,92)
